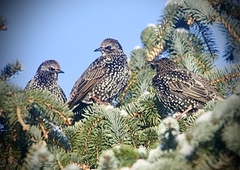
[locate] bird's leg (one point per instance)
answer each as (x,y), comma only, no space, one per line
(183,113)
(97,100)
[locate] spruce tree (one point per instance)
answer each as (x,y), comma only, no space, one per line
(139,133)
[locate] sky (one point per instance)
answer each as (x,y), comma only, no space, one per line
(69,32)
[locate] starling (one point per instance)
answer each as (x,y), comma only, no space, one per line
(46,79)
(104,79)
(179,89)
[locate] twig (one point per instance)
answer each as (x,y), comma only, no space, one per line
(20,120)
(45,134)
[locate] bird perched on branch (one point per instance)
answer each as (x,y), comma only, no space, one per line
(179,89)
(46,79)
(105,78)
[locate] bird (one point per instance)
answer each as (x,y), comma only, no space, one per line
(180,90)
(46,79)
(104,79)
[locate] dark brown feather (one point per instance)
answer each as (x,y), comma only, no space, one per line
(178,88)
(91,76)
(195,86)
(104,79)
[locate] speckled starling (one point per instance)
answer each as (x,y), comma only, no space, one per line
(46,79)
(104,79)
(179,89)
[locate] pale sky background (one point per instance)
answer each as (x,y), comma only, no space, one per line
(69,32)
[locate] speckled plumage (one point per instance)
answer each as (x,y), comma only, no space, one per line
(180,89)
(104,79)
(46,79)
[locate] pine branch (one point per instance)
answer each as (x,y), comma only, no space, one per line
(225,79)
(198,142)
(61,158)
(58,136)
(50,104)
(231,49)
(16,106)
(115,126)
(232,141)
(179,44)
(141,75)
(107,161)
(151,38)
(207,40)
(208,161)
(211,143)
(38,157)
(187,123)
(88,137)
(35,133)
(154,36)
(50,131)
(231,25)
(184,50)
(197,63)
(9,70)
(137,63)
(201,11)
(3,24)
(126,155)
(20,119)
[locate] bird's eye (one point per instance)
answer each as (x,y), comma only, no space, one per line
(51,69)
(108,47)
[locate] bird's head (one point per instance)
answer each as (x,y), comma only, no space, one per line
(163,64)
(50,66)
(109,45)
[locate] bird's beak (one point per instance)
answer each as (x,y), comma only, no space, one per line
(99,49)
(152,64)
(59,71)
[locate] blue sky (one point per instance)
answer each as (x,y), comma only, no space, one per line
(69,31)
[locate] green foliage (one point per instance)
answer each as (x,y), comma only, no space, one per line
(125,154)
(38,157)
(184,34)
(3,23)
(202,11)
(27,118)
(103,128)
(232,138)
(35,131)
(225,78)
(107,161)
(223,13)
(9,70)
(211,143)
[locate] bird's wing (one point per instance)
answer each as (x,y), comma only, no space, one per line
(91,76)
(191,85)
(64,98)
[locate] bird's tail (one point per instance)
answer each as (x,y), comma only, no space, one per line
(78,112)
